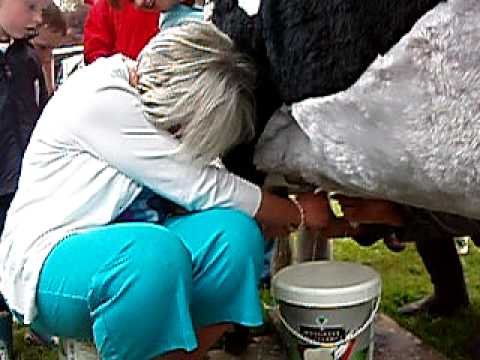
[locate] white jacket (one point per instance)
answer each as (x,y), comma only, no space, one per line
(90,155)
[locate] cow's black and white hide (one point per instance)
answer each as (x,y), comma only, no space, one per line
(317,47)
(408,130)
(306,48)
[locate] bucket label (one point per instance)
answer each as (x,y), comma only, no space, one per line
(329,354)
(327,334)
(316,354)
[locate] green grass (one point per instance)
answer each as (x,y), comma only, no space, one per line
(405,279)
(26,351)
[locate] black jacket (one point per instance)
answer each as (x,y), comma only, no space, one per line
(23,94)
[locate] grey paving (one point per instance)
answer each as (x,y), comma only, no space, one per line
(391,343)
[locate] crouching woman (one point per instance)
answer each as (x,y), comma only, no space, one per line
(163,287)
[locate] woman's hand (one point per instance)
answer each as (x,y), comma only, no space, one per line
(280,212)
(340,227)
(317,211)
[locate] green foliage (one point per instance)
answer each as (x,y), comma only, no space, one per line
(405,279)
(26,351)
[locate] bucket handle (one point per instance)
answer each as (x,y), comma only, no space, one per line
(341,345)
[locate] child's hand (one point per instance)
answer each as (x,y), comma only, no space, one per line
(132,72)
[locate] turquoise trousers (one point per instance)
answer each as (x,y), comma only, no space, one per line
(139,290)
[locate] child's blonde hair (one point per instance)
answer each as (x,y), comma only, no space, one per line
(192,78)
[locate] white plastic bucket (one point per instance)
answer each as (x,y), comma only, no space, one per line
(328,309)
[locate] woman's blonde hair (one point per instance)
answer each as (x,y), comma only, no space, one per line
(190,77)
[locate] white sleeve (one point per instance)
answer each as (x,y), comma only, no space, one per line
(113,128)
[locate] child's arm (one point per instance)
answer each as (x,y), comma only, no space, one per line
(99,33)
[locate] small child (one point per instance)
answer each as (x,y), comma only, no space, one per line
(22,97)
(117,27)
(182,12)
(21,90)
(51,34)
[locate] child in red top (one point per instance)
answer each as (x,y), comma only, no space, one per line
(125,30)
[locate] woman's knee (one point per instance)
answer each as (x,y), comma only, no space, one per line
(152,262)
(153,273)
(243,236)
(155,246)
